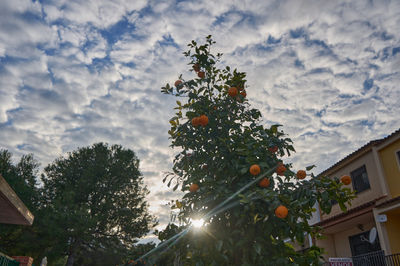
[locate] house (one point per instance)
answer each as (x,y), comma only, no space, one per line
(13,211)
(375,172)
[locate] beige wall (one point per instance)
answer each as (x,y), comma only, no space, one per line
(374,192)
(328,244)
(391,167)
(342,244)
(337,244)
(383,171)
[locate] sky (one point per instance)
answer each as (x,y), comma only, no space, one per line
(73,73)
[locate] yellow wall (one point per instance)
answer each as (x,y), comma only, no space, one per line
(393,230)
(390,166)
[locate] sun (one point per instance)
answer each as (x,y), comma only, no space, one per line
(198,223)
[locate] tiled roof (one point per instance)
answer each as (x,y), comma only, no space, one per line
(356,209)
(343,214)
(360,150)
(388,201)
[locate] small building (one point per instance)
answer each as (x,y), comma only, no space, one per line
(12,209)
(375,172)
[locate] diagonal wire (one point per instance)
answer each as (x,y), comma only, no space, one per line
(211,213)
(217,209)
(175,237)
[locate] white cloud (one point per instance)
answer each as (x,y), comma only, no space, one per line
(72,75)
(101,14)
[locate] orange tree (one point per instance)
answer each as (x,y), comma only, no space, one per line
(224,148)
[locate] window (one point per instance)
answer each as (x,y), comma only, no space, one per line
(360,179)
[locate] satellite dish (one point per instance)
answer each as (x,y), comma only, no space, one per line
(372,235)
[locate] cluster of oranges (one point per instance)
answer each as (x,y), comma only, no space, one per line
(281,211)
(200,74)
(200,121)
(234,92)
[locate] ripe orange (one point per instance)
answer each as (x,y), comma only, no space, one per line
(193,188)
(273,149)
(178,82)
(346,180)
(196,67)
(203,120)
(255,169)
(201,74)
(233,91)
(281,169)
(243,93)
(196,121)
(264,182)
(281,212)
(301,174)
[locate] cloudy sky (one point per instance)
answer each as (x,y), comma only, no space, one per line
(73,73)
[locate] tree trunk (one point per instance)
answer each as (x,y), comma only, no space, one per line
(72,253)
(177,259)
(70,261)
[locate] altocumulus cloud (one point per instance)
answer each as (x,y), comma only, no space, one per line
(77,72)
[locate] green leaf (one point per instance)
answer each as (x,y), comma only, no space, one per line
(243,171)
(257,247)
(274,128)
(219,245)
(256,218)
(308,168)
(342,206)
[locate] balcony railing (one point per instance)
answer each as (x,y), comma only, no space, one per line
(377,258)
(392,259)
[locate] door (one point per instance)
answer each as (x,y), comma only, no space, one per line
(359,244)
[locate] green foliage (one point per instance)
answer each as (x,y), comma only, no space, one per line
(21,176)
(217,157)
(96,199)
